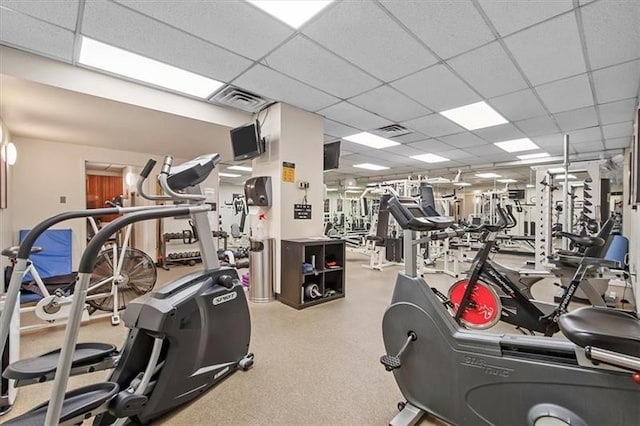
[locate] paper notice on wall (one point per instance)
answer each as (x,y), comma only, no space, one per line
(288,172)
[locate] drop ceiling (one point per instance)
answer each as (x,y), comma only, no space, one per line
(549,67)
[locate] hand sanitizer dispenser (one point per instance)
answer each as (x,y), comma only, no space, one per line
(257,191)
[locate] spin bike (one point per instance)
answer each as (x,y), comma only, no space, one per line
(469,377)
(179,342)
(477,304)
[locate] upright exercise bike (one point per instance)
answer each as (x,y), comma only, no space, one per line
(469,377)
(184,338)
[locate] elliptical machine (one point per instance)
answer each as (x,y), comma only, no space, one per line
(469,377)
(178,345)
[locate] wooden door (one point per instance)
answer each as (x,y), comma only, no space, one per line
(100,189)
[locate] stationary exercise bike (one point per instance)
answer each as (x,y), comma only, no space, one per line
(478,305)
(184,338)
(468,377)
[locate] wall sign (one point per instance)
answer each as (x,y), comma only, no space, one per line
(288,172)
(302,211)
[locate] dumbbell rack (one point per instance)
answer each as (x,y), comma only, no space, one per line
(184,257)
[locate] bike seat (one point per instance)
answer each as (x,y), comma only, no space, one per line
(603,328)
(12,252)
(582,240)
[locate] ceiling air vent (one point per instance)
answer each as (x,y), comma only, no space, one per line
(392,131)
(241,99)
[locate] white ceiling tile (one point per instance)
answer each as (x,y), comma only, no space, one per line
(306,61)
(279,87)
(404,149)
(430,146)
(618,143)
(132,32)
(433,125)
(448,28)
(616,112)
(503,132)
(518,105)
(497,158)
(328,138)
(612,31)
(62,13)
(511,16)
(577,119)
(567,94)
(618,130)
(489,70)
(351,115)
(373,41)
(537,126)
(235,25)
(585,147)
(462,140)
(590,134)
(32,34)
(338,129)
(438,88)
(617,82)
(455,154)
(549,51)
(484,150)
(410,137)
(549,141)
(390,104)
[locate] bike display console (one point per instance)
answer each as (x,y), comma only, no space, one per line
(410,215)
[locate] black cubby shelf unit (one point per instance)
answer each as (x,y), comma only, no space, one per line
(329,278)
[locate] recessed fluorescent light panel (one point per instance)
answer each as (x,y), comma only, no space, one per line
(291,12)
(371,140)
(241,168)
(370,166)
(222,174)
(118,61)
(332,189)
(530,185)
(461,184)
(429,158)
(561,177)
(517,145)
(487,175)
(474,116)
(506,180)
(533,156)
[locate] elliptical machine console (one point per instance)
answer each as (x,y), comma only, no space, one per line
(471,377)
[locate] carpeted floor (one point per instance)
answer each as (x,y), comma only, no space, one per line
(314,366)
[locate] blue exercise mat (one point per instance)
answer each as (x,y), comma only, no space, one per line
(618,250)
(55,258)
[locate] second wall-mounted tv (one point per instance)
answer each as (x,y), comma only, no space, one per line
(246,141)
(331,155)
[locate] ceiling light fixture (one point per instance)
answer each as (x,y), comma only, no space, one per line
(9,153)
(222,174)
(108,58)
(370,166)
(371,140)
(475,116)
(561,177)
(487,175)
(532,156)
(241,168)
(506,180)
(332,189)
(291,12)
(516,145)
(461,184)
(429,158)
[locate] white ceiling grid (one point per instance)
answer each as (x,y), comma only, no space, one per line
(548,66)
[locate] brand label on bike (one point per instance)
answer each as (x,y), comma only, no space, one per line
(224,298)
(491,370)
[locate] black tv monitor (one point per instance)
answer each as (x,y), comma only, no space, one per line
(331,155)
(516,194)
(246,141)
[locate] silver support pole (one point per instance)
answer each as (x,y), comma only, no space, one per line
(566,223)
(208,249)
(68,348)
(410,253)
(11,300)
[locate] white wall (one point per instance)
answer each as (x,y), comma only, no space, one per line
(6,222)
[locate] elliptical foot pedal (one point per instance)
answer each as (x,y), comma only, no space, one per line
(78,404)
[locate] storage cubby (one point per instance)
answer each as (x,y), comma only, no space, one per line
(327,260)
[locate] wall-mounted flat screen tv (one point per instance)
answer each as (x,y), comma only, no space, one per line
(331,155)
(246,141)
